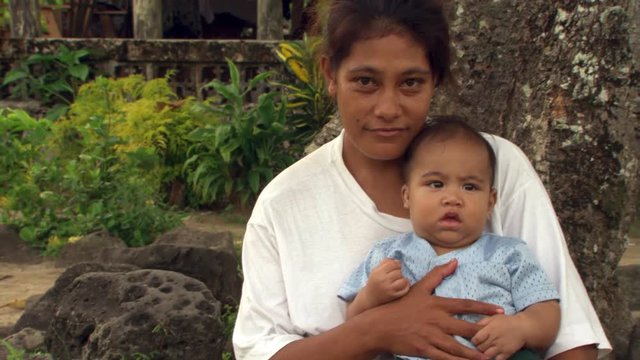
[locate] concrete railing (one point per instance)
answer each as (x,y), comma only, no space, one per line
(195,62)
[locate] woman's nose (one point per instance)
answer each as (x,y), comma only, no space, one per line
(388,105)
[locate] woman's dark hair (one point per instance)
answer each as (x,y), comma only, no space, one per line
(348,21)
(443,128)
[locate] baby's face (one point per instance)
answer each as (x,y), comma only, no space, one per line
(448,192)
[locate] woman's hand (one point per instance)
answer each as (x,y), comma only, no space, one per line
(422,324)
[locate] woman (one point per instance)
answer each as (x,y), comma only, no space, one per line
(316,220)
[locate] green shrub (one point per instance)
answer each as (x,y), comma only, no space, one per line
(21,143)
(52,79)
(142,114)
(231,161)
(52,198)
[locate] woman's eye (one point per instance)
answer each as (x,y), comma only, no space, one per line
(364,81)
(435,184)
(412,83)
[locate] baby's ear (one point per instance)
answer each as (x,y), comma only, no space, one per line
(405,196)
(493,197)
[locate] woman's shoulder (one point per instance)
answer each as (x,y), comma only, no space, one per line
(513,168)
(505,149)
(310,174)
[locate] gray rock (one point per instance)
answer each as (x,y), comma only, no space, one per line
(618,322)
(88,248)
(158,313)
(5,331)
(628,277)
(188,236)
(634,343)
(40,313)
(217,269)
(27,339)
(14,250)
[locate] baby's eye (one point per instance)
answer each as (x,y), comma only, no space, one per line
(470,187)
(435,184)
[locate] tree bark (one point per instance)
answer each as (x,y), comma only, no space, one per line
(561,80)
(147,19)
(269,20)
(24,18)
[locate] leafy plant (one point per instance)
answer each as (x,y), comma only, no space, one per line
(229,316)
(5,16)
(50,78)
(12,352)
(21,143)
(310,105)
(52,197)
(231,161)
(143,114)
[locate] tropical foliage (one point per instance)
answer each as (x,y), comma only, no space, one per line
(231,161)
(113,158)
(53,79)
(310,105)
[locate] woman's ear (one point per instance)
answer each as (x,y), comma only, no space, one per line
(405,196)
(329,75)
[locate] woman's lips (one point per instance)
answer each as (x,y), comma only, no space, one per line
(387,132)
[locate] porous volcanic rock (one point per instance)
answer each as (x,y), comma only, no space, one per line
(162,314)
(38,315)
(192,254)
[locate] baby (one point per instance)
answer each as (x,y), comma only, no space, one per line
(448,174)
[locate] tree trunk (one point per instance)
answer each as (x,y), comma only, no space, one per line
(269,20)
(297,8)
(24,18)
(561,80)
(147,19)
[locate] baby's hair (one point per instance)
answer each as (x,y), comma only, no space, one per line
(446,127)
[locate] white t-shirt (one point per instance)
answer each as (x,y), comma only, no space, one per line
(313,224)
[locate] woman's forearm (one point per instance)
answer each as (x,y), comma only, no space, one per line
(353,340)
(586,352)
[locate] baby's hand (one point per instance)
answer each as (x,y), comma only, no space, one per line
(386,282)
(500,337)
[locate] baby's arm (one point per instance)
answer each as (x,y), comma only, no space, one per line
(385,284)
(535,328)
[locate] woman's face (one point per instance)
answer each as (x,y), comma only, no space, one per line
(383,90)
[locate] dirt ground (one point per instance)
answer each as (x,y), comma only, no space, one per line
(24,273)
(32,275)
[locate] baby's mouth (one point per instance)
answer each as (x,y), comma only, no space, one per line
(450,219)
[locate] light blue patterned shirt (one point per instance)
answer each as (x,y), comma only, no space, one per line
(494,269)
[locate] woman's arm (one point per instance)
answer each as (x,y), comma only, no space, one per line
(587,352)
(418,324)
